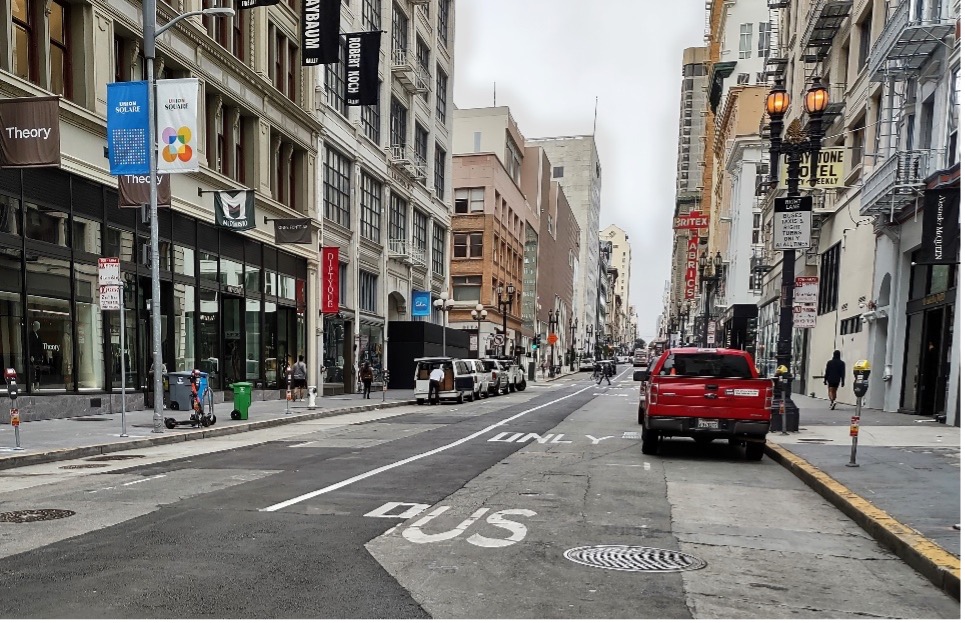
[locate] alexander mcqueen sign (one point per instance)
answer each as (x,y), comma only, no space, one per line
(939,227)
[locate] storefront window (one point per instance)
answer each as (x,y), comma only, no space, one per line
(270,341)
(129,357)
(11,314)
(209,345)
(334,349)
(183,261)
(271,283)
(370,345)
(286,287)
(232,273)
(119,243)
(252,279)
(90,329)
(286,335)
(49,336)
(185,317)
(86,236)
(46,224)
(9,215)
(234,355)
(209,265)
(252,338)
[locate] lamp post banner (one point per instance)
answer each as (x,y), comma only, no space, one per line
(235,209)
(939,227)
(319,26)
(30,132)
(135,191)
(330,283)
(362,68)
(792,223)
(177,125)
(421,302)
(293,231)
(128,143)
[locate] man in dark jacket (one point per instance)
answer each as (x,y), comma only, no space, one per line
(834,373)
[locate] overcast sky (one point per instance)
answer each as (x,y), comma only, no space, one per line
(550,58)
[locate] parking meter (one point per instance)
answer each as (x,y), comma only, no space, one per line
(385,383)
(10,376)
(862,372)
(782,374)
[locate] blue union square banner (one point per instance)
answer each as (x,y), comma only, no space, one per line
(128,142)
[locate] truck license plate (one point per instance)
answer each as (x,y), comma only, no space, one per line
(701,423)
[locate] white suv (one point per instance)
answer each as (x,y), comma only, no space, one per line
(481,376)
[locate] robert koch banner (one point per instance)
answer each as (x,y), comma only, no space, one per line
(30,132)
(939,227)
(235,209)
(135,190)
(177,125)
(293,231)
(319,26)
(362,68)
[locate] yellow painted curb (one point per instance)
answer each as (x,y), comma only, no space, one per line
(924,555)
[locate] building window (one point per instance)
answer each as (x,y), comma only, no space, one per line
(747,33)
(372,120)
(952,156)
(59,22)
(343,283)
(420,230)
(442,86)
(372,14)
(763,39)
(857,143)
(514,163)
(338,186)
(851,325)
(368,291)
(421,145)
(443,25)
(467,287)
(557,172)
(864,40)
(828,286)
(470,200)
(422,54)
(440,172)
(398,122)
(397,217)
(467,244)
(371,206)
(438,249)
(24,45)
(400,30)
(335,81)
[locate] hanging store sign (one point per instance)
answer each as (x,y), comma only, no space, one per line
(792,223)
(319,26)
(177,125)
(939,227)
(330,280)
(30,132)
(362,68)
(128,143)
(806,290)
(805,316)
(293,231)
(690,281)
(251,4)
(830,169)
(135,191)
(235,209)
(421,303)
(694,220)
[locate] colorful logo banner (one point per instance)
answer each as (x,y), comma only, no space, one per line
(330,280)
(30,132)
(177,125)
(128,143)
(235,209)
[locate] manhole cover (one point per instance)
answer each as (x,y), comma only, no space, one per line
(43,514)
(90,419)
(633,558)
(116,457)
(83,466)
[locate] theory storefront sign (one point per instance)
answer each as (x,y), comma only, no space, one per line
(135,190)
(939,227)
(30,132)
(330,280)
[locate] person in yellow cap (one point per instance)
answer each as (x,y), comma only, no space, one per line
(834,372)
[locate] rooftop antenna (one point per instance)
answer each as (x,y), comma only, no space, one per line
(596,104)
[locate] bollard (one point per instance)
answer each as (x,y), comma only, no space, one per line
(312,391)
(385,383)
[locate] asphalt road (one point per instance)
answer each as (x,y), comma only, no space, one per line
(450,511)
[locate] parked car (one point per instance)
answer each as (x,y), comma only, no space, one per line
(517,378)
(457,384)
(498,377)
(482,379)
(586,364)
(706,394)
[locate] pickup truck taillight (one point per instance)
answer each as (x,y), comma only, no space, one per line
(654,389)
(768,397)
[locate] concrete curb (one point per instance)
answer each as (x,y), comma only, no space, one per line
(919,552)
(65,454)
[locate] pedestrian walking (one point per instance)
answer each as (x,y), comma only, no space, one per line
(542,367)
(366,375)
(435,381)
(834,372)
(300,378)
(604,374)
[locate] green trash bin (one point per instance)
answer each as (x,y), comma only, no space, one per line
(242,392)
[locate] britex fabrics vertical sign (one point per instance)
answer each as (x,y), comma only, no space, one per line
(362,68)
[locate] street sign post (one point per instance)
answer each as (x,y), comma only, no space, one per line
(792,223)
(111,288)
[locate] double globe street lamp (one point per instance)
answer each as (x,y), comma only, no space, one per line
(505,306)
(445,305)
(573,344)
(479,314)
(710,274)
(554,322)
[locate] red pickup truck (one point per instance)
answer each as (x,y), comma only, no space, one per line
(707,394)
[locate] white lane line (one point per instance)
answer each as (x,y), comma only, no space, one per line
(134,482)
(379,470)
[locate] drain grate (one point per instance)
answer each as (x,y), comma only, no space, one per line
(83,466)
(90,419)
(633,558)
(27,516)
(116,457)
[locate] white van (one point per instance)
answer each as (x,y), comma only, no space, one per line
(482,376)
(458,382)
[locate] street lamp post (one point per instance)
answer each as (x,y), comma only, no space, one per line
(445,304)
(710,273)
(554,322)
(797,143)
(573,345)
(479,314)
(505,306)
(151,33)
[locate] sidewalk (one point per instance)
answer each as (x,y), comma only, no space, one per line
(70,438)
(906,490)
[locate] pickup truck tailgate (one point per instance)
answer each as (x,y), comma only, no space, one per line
(709,397)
